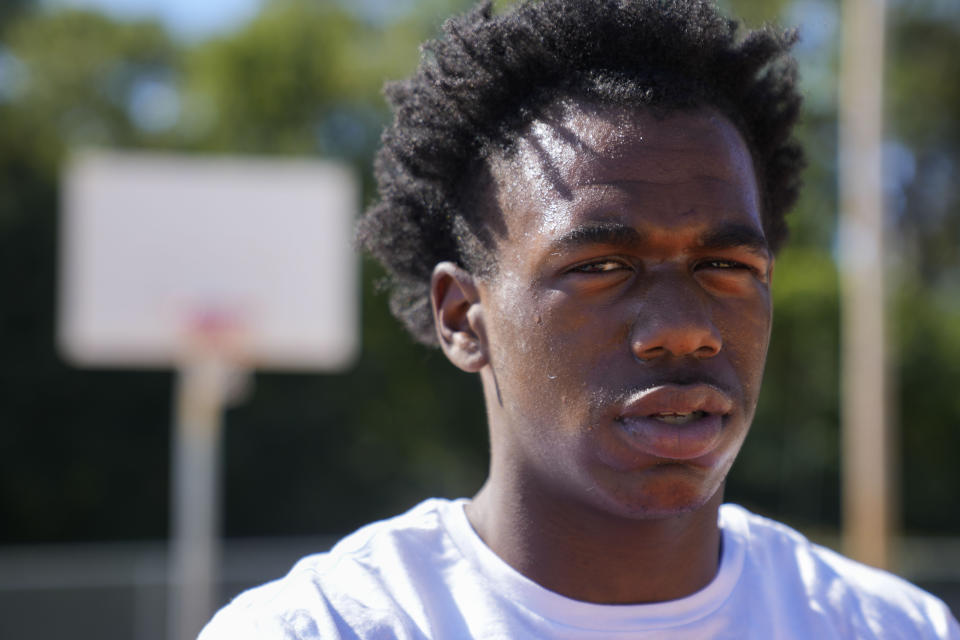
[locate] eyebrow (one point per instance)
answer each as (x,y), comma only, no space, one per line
(727,236)
(606,233)
(733,235)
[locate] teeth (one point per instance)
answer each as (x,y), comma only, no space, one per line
(677,418)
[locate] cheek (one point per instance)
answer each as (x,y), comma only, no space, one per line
(518,337)
(546,351)
(745,327)
(579,339)
(574,321)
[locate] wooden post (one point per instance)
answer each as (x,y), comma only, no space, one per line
(867,512)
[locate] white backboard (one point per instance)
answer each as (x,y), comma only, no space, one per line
(155,248)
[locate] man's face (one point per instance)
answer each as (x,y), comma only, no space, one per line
(627,324)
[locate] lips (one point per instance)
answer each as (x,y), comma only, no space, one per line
(675,422)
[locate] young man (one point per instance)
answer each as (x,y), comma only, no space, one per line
(581,201)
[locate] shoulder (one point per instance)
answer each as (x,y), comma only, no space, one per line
(845,594)
(358,589)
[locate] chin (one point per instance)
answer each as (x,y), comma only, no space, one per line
(667,491)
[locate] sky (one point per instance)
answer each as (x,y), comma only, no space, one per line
(191,19)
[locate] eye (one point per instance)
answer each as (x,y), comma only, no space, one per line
(728,265)
(725,264)
(605,265)
(729,274)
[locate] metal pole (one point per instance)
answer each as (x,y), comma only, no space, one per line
(200,398)
(866,423)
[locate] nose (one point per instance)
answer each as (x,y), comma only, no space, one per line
(674,319)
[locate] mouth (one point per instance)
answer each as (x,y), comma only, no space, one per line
(678,418)
(675,422)
(677,402)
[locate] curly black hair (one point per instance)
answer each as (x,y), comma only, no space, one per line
(477,88)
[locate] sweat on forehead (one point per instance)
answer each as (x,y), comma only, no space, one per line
(573,135)
(609,147)
(581,178)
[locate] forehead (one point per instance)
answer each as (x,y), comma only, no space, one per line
(664,172)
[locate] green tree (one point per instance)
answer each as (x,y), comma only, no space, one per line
(76,444)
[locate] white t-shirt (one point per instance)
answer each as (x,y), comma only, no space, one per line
(426,574)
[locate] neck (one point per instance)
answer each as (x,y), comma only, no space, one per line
(587,555)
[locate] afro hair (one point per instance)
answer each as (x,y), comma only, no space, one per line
(489,76)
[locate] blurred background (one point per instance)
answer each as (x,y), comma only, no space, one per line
(85,454)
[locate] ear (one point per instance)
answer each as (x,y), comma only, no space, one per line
(458,317)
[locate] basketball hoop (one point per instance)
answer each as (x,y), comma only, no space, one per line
(213,266)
